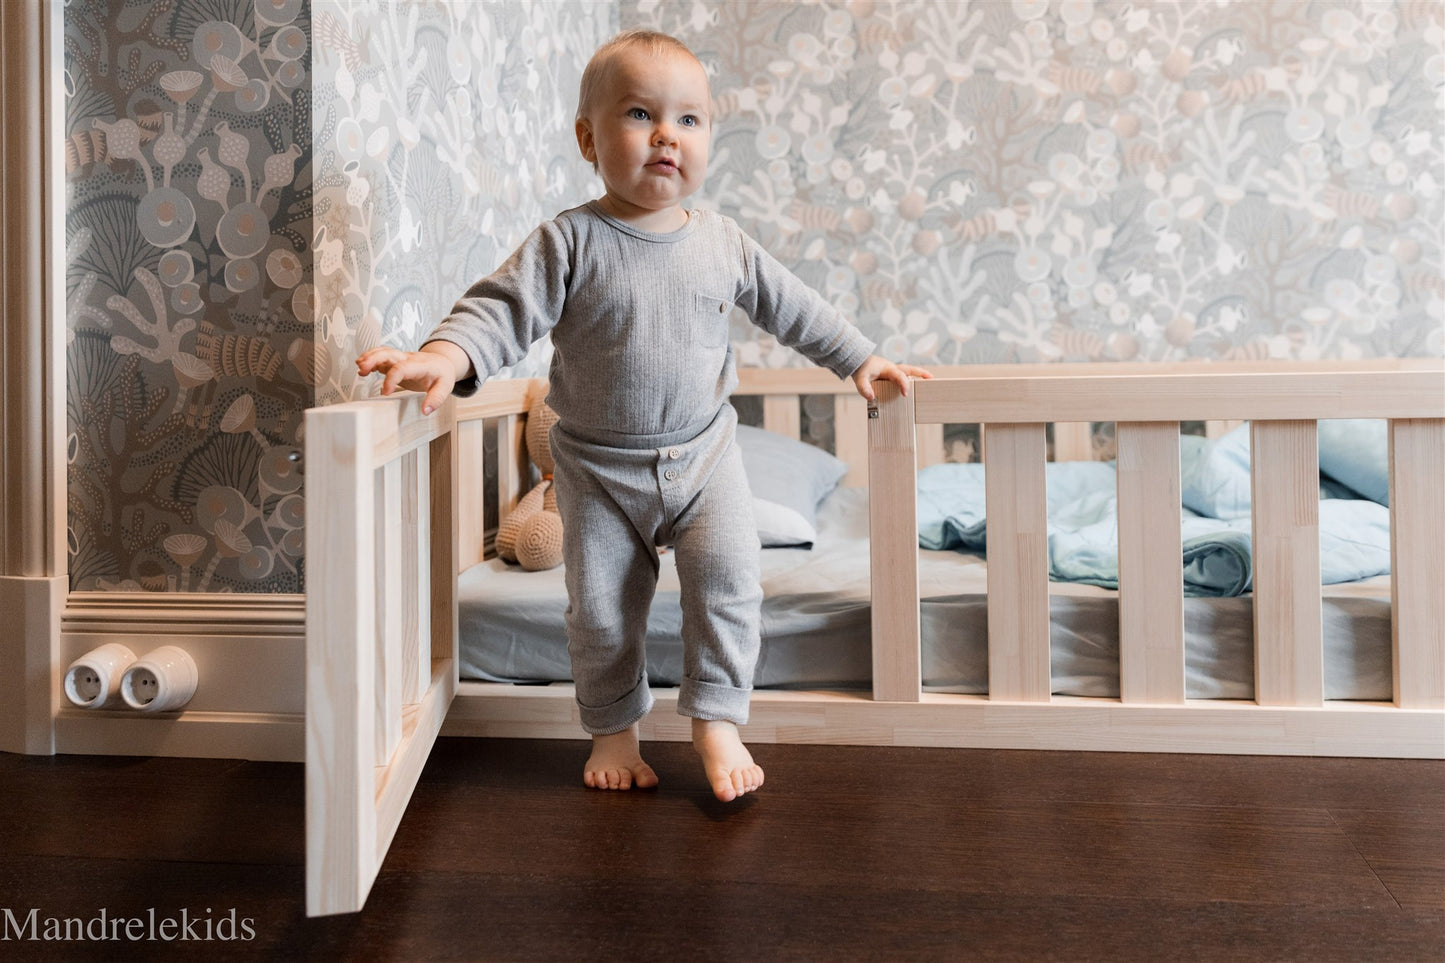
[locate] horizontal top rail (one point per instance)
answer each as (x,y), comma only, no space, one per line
(386,427)
(1360,391)
(503,396)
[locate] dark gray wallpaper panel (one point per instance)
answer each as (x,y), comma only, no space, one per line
(190,349)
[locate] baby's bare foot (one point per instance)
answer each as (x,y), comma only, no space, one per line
(726,761)
(616,763)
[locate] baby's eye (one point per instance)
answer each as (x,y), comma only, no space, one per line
(689,120)
(637,113)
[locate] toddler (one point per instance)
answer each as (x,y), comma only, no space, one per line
(636,291)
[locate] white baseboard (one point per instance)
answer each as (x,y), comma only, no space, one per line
(260,736)
(250,654)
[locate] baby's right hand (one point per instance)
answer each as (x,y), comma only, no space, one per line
(427,371)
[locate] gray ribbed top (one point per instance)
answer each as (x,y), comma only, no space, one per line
(639,321)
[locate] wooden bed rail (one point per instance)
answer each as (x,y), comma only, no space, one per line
(1283,407)
(381,632)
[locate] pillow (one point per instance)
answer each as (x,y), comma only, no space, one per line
(789,480)
(1356,453)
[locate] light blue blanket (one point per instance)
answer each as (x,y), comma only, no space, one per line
(1083,519)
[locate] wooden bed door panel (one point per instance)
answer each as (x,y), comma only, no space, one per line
(381,642)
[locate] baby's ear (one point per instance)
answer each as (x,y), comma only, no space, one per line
(584,141)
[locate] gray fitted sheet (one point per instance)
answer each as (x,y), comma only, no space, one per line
(816,632)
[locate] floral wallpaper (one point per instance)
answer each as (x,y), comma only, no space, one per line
(1038,180)
(188,228)
(260,189)
(444,136)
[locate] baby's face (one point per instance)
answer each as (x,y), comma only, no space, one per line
(649,131)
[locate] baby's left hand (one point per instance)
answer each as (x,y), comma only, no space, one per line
(875,368)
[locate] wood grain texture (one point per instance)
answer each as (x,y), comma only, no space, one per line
(783,414)
(1018,573)
(1167,856)
(893,549)
(1073,441)
(850,427)
(1377,730)
(511,461)
(1291,395)
(415,535)
(1151,577)
(340,659)
(1285,517)
(388,610)
(445,563)
(1417,561)
(930,445)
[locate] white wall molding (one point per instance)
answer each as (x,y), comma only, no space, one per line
(249,651)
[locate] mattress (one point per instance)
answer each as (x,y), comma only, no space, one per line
(816,625)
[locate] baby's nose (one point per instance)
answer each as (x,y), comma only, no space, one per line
(664,133)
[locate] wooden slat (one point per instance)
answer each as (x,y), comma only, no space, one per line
(471,504)
(1073,441)
(1018,576)
(1284,480)
(930,445)
(511,448)
(340,681)
(415,538)
(893,548)
(1417,561)
(1218,429)
(445,486)
(389,605)
(783,414)
(850,437)
(1180,397)
(1151,577)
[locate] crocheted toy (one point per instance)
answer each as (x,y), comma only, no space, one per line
(532,534)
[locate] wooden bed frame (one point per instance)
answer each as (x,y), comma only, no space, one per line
(395,512)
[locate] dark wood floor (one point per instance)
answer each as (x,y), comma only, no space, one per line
(847,853)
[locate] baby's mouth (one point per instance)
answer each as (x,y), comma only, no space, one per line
(665,165)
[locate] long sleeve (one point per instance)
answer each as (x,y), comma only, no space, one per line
(798,316)
(500,316)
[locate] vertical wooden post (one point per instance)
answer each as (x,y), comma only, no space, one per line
(1018,563)
(340,667)
(893,546)
(1417,561)
(1151,576)
(1288,647)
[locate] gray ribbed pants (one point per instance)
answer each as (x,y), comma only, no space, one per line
(617,506)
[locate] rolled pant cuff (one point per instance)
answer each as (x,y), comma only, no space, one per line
(605,720)
(712,702)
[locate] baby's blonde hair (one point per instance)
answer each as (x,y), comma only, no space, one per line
(595,75)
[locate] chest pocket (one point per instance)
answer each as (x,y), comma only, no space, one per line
(710,321)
